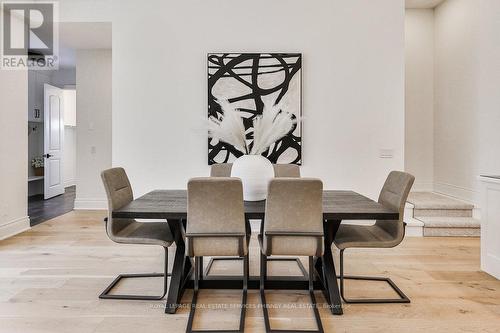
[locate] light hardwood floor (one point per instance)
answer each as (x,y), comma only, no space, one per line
(50,278)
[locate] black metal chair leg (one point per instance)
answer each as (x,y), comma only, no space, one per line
(263,276)
(189,327)
(197,272)
(249,230)
(294,259)
(106,293)
(402,297)
(313,297)
(245,293)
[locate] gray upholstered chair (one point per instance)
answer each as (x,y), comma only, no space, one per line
(216,227)
(221,170)
(129,231)
(280,170)
(383,234)
(286,170)
(293,226)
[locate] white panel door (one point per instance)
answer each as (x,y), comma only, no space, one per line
(53,141)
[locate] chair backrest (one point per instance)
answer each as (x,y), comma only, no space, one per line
(280,170)
(393,195)
(221,170)
(118,188)
(119,193)
(294,207)
(286,170)
(215,208)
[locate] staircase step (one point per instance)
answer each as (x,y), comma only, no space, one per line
(421,213)
(452,232)
(451,226)
(450,222)
(433,201)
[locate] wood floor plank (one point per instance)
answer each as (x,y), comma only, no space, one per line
(51,275)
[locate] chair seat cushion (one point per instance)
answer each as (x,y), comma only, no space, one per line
(217,246)
(292,245)
(373,236)
(152,233)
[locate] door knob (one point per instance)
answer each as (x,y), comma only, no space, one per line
(48,155)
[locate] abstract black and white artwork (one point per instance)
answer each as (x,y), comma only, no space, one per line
(249,81)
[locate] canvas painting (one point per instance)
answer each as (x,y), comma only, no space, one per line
(249,81)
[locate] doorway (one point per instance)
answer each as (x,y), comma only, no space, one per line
(74,100)
(51,142)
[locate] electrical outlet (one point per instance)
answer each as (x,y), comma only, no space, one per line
(386,153)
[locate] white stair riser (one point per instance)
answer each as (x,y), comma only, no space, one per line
(414,231)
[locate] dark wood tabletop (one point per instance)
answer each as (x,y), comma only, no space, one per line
(337,205)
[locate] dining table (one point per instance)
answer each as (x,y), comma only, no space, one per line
(338,206)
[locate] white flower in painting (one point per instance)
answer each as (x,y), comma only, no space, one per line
(268,128)
(229,128)
(271,126)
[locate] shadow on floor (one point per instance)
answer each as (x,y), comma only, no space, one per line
(40,210)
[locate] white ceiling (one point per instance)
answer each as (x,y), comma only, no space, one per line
(421,4)
(81,35)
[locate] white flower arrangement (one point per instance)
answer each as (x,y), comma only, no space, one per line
(37,162)
(268,128)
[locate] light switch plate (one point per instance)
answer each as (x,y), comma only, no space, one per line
(386,153)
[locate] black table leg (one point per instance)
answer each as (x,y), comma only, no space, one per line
(318,266)
(327,264)
(180,269)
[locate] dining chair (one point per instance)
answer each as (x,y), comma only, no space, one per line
(293,226)
(216,227)
(129,231)
(382,234)
(286,170)
(280,170)
(221,170)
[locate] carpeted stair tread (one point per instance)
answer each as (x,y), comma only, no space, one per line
(450,222)
(429,200)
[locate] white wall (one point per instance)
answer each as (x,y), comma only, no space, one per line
(63,77)
(456,145)
(419,97)
(353,83)
(69,166)
(489,87)
(93,102)
(13,151)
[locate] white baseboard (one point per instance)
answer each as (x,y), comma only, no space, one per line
(70,182)
(91,204)
(476,212)
(460,193)
(491,265)
(414,231)
(457,192)
(14,227)
(414,227)
(422,187)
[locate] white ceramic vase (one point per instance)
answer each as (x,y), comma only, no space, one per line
(255,172)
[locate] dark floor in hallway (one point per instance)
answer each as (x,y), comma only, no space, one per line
(40,210)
